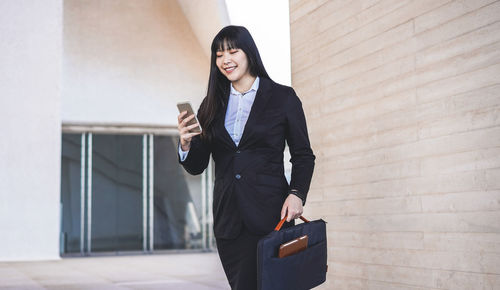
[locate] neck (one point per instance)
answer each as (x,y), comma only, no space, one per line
(244,83)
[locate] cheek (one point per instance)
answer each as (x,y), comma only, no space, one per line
(245,64)
(218,62)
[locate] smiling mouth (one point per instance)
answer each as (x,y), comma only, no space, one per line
(230,69)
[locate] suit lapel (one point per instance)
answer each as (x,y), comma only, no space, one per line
(261,98)
(258,106)
(220,125)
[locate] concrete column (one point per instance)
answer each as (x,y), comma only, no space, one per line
(30,126)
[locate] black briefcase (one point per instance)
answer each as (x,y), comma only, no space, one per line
(300,271)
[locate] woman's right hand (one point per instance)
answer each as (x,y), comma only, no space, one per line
(184,134)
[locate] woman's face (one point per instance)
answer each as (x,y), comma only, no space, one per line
(233,63)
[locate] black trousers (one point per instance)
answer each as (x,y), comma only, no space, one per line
(239,259)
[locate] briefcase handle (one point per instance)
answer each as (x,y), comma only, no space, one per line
(278,227)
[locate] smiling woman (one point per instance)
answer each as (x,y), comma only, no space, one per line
(247,118)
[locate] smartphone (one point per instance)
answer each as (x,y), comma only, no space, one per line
(293,247)
(186,106)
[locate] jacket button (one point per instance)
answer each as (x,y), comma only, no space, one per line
(238,176)
(238,151)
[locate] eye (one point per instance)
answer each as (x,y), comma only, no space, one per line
(233,52)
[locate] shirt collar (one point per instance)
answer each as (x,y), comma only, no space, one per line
(254,87)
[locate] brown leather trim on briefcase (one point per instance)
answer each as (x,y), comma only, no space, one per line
(293,247)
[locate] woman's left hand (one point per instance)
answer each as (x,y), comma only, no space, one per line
(293,204)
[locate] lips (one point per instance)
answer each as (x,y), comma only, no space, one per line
(230,69)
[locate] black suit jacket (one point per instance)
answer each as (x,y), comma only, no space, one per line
(250,185)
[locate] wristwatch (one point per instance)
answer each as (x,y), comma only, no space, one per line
(299,194)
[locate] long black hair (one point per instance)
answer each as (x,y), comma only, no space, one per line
(218,85)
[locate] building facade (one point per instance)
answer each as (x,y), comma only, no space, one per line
(403,105)
(89,126)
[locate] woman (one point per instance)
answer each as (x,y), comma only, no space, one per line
(246,119)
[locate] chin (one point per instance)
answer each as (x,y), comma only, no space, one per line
(232,78)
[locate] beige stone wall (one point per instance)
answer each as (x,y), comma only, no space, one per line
(402,100)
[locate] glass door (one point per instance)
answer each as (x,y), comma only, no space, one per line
(117,209)
(177,200)
(127,192)
(71,193)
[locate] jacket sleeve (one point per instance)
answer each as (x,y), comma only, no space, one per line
(302,157)
(197,159)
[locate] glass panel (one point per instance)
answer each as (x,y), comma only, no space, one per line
(116,193)
(177,199)
(70,192)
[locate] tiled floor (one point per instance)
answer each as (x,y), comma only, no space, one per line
(192,271)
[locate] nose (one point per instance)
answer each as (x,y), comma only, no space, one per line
(226,58)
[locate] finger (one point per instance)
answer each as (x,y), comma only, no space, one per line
(187,119)
(183,131)
(181,124)
(290,216)
(186,129)
(193,126)
(193,134)
(295,215)
(179,117)
(283,211)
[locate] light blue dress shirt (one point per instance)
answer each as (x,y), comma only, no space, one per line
(238,110)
